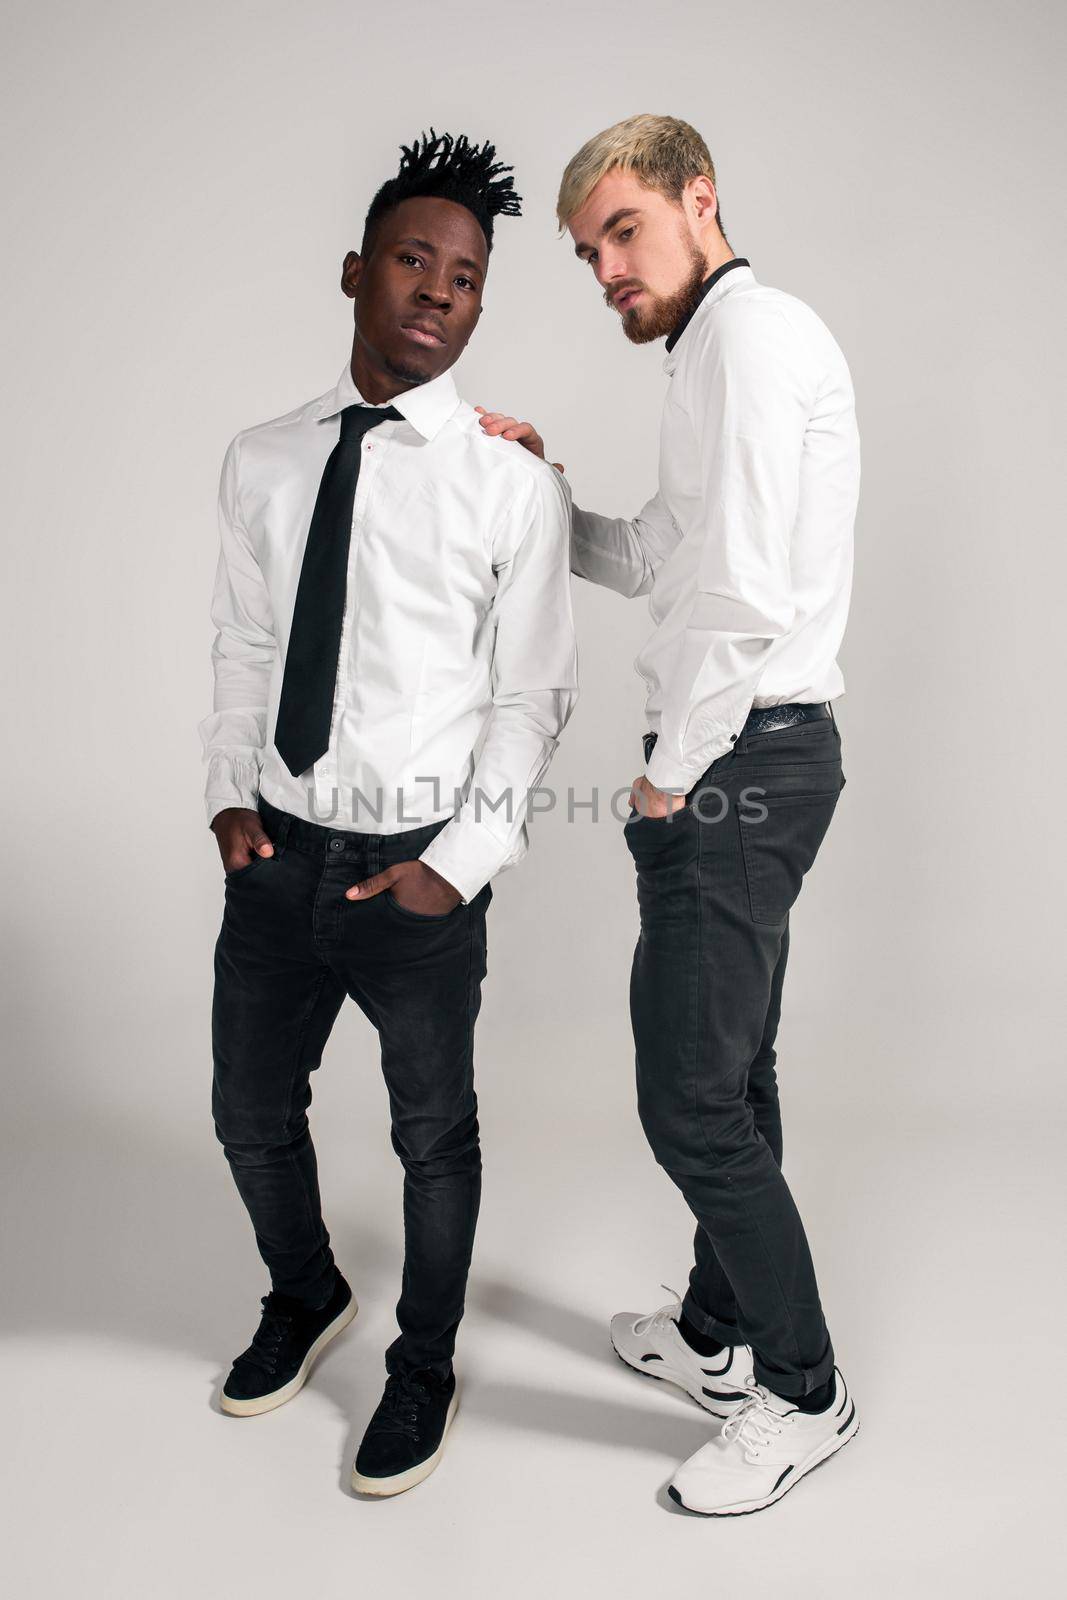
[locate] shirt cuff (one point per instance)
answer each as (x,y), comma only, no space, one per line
(231,781)
(467,855)
(671,775)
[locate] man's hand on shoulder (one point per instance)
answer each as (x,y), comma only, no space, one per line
(413,885)
(499,425)
(240,836)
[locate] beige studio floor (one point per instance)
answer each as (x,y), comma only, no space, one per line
(122,1479)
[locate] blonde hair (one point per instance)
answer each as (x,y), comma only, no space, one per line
(663,152)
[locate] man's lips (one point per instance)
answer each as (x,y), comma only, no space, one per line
(425,333)
(625,299)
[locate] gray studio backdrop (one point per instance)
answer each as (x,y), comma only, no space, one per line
(180,186)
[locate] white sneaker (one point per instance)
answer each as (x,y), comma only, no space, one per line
(653,1345)
(765,1448)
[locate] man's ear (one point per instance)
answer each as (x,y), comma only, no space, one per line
(704,200)
(351,272)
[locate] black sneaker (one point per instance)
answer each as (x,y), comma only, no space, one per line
(406,1435)
(277,1362)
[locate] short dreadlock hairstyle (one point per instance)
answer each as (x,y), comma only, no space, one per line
(449,169)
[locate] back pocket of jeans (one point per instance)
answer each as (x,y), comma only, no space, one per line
(778,849)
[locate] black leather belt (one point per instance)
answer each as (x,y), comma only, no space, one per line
(764,719)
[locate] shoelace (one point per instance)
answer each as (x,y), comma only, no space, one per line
(399,1409)
(756,1423)
(267,1341)
(659,1319)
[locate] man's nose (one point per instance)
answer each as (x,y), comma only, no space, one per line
(435,294)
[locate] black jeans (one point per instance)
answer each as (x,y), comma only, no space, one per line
(290,949)
(715,885)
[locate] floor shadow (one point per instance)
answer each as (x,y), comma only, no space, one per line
(122,1231)
(672,1433)
(675,1431)
(119,1231)
(550,1319)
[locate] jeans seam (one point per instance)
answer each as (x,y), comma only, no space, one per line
(470,998)
(783,1296)
(696,1000)
(708,1323)
(753,1220)
(301,1035)
(321,892)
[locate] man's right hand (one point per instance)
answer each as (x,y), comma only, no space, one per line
(499,423)
(240,836)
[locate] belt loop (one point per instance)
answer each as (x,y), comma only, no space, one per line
(741,742)
(833,719)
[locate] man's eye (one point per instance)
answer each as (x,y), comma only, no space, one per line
(413,259)
(627,233)
(590,258)
(466,282)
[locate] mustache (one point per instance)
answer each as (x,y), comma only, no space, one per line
(611,295)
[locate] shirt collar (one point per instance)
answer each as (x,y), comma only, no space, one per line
(706,289)
(427,407)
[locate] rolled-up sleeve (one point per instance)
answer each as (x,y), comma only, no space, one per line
(233,737)
(748,402)
(535,688)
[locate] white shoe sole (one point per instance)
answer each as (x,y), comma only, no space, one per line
(723,1410)
(278,1397)
(789,1479)
(381,1488)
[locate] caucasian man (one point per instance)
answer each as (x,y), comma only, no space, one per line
(745,555)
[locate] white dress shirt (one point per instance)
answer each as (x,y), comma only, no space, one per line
(745,551)
(457,628)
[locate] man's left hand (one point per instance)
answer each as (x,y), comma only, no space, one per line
(648,801)
(414,885)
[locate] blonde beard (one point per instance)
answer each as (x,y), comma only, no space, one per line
(643,325)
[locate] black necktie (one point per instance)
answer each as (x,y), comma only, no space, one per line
(302,731)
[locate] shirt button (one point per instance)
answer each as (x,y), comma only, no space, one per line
(337,844)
